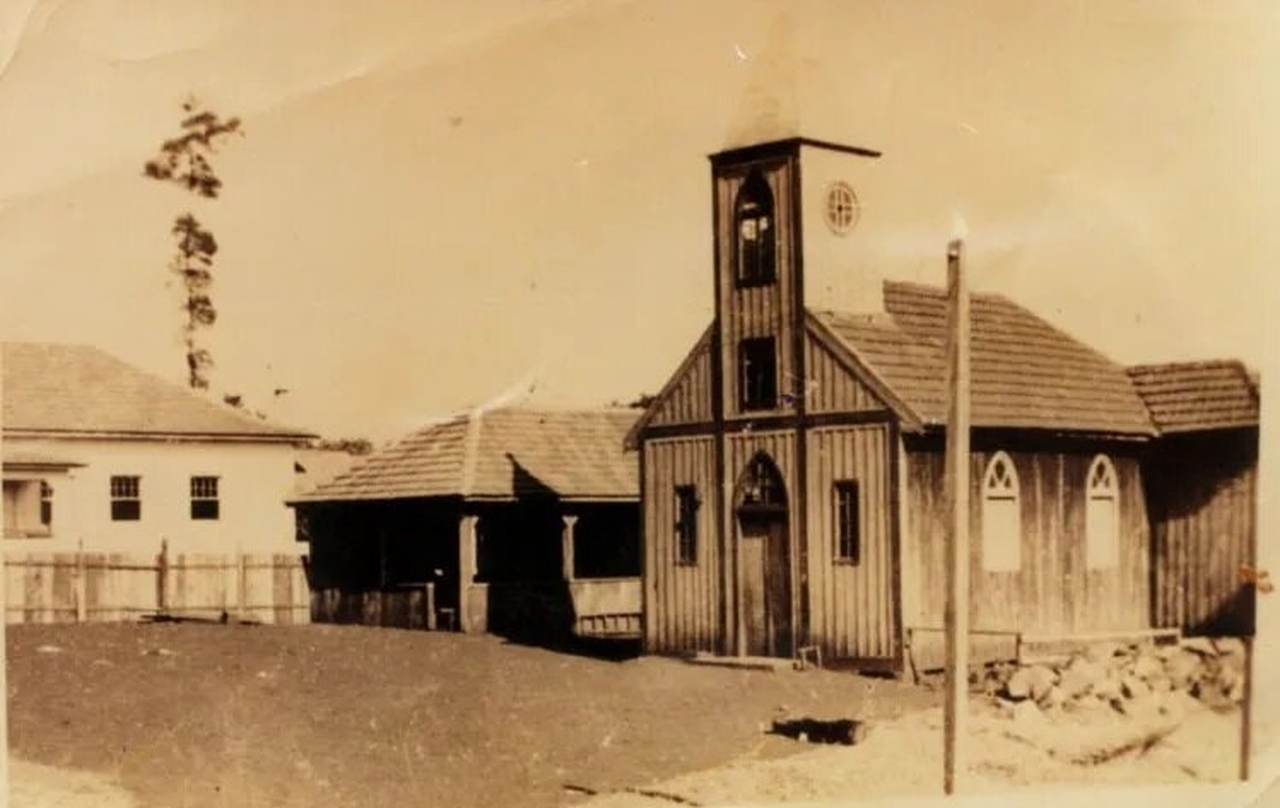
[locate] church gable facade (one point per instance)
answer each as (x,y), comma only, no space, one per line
(791,470)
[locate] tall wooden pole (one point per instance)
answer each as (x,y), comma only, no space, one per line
(955,718)
(4,679)
(1246,708)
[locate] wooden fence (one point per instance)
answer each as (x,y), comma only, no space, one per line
(88,587)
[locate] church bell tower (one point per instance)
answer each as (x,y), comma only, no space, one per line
(783,212)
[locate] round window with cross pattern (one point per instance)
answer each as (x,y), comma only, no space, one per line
(842,208)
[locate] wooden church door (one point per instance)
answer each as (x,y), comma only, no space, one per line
(765,559)
(766,591)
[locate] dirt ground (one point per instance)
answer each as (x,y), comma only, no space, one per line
(34,786)
(209,715)
(903,758)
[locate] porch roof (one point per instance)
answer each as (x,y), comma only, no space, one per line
(24,460)
(502,454)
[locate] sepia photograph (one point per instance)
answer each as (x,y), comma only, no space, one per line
(637,403)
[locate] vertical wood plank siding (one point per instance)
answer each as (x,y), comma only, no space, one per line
(1203,493)
(689,402)
(831,387)
(757,311)
(852,605)
(1053,591)
(682,600)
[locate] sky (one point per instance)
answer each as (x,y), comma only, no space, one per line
(439,204)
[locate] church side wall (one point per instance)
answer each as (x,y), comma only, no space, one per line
(1052,592)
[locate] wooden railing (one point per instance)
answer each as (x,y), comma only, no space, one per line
(410,606)
(606,607)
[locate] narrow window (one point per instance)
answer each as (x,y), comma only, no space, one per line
(1001,516)
(686,525)
(46,505)
(1102,515)
(126,499)
(754,223)
(204,497)
(848,532)
(757,374)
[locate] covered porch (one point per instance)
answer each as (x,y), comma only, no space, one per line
(527,570)
(538,541)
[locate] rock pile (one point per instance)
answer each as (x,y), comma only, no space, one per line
(1140,679)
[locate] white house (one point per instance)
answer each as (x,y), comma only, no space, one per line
(100,455)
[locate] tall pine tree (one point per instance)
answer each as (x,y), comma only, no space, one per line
(184,161)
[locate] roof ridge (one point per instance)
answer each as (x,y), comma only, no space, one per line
(544,409)
(47,342)
(941,291)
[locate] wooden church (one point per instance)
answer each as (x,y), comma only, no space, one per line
(792,468)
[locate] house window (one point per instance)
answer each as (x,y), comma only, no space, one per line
(686,525)
(848,525)
(126,499)
(1102,515)
(1001,516)
(204,497)
(46,505)
(757,374)
(754,224)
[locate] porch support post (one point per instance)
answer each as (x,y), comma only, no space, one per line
(566,545)
(467,567)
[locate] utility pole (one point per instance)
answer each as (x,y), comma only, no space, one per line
(955,716)
(4,681)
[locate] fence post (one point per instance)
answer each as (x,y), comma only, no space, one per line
(162,573)
(242,565)
(82,587)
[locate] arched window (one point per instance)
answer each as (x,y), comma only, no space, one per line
(1001,516)
(754,225)
(1102,515)
(761,486)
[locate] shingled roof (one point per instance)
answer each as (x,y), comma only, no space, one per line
(499,454)
(1192,396)
(1025,372)
(71,390)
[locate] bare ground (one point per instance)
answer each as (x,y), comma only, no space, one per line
(208,715)
(903,758)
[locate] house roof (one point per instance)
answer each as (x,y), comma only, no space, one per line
(56,389)
(499,454)
(1191,396)
(1025,372)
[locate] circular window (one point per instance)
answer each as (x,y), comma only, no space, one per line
(842,208)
